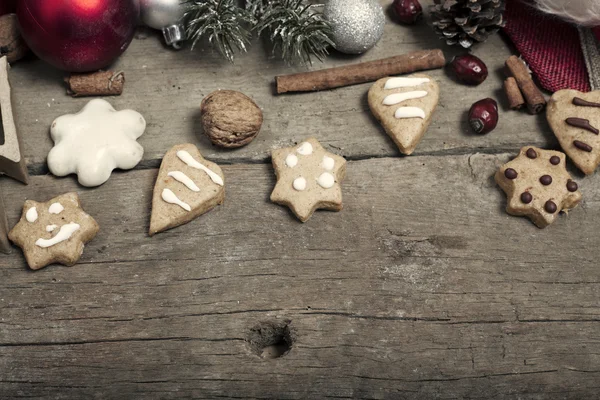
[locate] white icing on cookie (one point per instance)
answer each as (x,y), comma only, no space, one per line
(31,215)
(51,228)
(328,163)
(171,198)
(409,112)
(55,208)
(183,178)
(95,141)
(291,160)
(400,97)
(299,184)
(305,149)
(65,233)
(326,180)
(190,161)
(395,83)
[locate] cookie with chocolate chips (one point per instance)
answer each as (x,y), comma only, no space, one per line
(575,119)
(538,185)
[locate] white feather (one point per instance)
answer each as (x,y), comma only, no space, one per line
(581,12)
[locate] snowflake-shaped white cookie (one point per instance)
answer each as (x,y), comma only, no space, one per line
(95,141)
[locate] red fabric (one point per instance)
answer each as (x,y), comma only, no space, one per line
(550,46)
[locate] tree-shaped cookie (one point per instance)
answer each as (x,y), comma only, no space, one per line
(308,178)
(54,231)
(575,119)
(95,141)
(404,106)
(187,187)
(538,185)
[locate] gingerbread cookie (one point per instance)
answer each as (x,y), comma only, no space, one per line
(538,185)
(95,141)
(308,178)
(575,119)
(404,106)
(187,187)
(54,231)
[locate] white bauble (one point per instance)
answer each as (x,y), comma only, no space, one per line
(357,24)
(582,12)
(159,14)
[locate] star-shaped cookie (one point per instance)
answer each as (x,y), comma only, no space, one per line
(95,141)
(54,231)
(308,178)
(538,185)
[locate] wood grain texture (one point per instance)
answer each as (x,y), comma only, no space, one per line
(167,87)
(422,287)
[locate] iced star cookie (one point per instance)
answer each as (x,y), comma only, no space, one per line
(404,106)
(187,187)
(95,141)
(538,185)
(575,119)
(53,232)
(308,178)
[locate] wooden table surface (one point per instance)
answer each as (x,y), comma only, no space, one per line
(422,287)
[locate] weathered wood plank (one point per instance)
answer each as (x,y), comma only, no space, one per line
(167,88)
(421,287)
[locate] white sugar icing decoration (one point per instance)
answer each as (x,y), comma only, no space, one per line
(326,180)
(31,215)
(190,161)
(400,97)
(51,228)
(395,83)
(171,198)
(95,141)
(299,184)
(328,163)
(183,178)
(56,208)
(409,112)
(305,149)
(65,233)
(291,160)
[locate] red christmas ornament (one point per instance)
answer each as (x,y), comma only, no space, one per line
(8,6)
(78,35)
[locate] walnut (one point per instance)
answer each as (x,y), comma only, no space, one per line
(230,119)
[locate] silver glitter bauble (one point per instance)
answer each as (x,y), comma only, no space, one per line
(357,24)
(158,14)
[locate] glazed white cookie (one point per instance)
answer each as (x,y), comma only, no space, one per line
(95,141)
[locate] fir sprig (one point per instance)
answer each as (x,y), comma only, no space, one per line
(297,29)
(222,21)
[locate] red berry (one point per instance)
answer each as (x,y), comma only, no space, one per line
(469,69)
(408,11)
(483,116)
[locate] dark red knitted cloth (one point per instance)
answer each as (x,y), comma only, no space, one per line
(551,47)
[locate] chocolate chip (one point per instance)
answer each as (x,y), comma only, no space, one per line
(510,173)
(582,146)
(550,207)
(555,160)
(572,186)
(526,197)
(545,180)
(531,153)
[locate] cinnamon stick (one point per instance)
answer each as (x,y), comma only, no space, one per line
(360,73)
(101,83)
(513,93)
(533,96)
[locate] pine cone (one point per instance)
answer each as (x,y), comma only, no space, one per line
(466,22)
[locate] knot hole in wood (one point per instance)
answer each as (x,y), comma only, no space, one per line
(271,339)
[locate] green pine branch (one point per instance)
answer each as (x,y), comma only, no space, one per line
(222,21)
